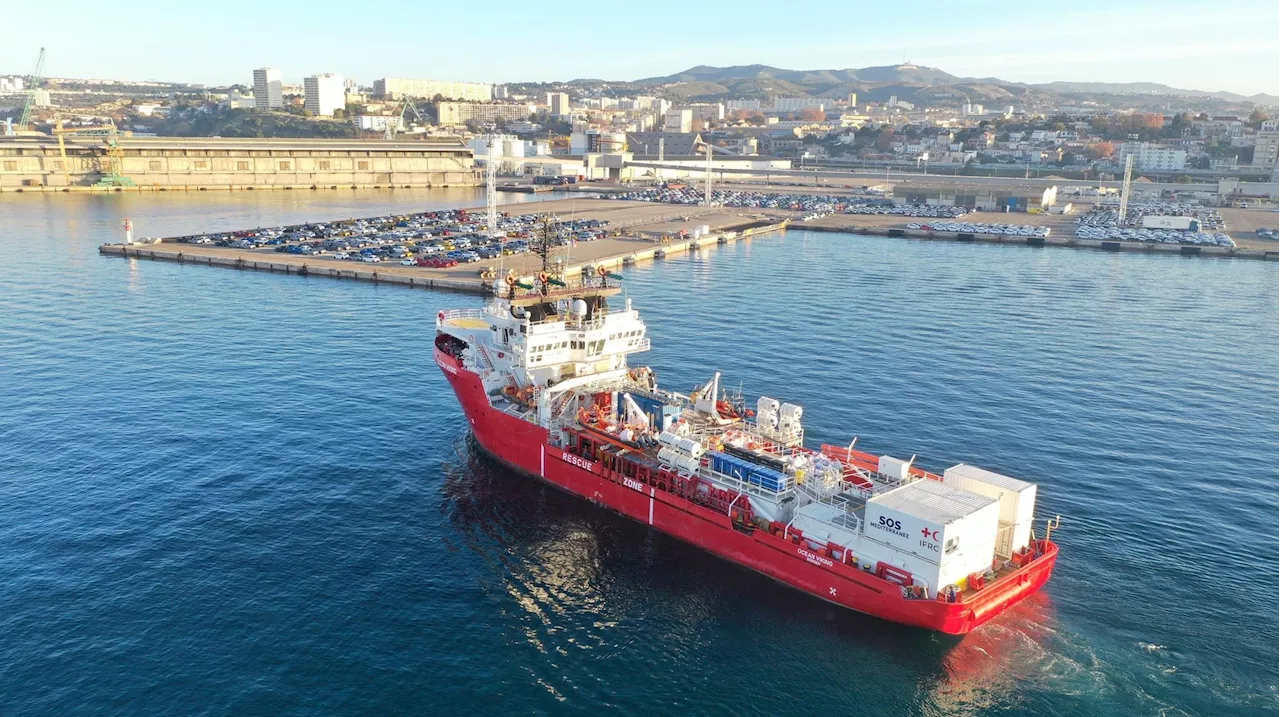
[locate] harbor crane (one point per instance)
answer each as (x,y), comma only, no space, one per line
(405,107)
(37,74)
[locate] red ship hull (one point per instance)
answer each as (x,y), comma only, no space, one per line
(523,446)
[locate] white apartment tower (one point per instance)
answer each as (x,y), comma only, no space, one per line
(678,121)
(268,89)
(322,94)
(1265,149)
(558,103)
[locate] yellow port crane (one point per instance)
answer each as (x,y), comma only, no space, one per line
(110,162)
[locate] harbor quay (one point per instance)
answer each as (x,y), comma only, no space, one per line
(637,232)
(75,163)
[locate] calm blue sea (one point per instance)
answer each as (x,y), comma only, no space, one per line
(238,493)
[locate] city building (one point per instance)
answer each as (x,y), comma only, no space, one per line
(40,98)
(1264,148)
(708,112)
(379,123)
(1152,157)
(678,121)
(11,84)
(853,100)
(450,114)
(971,109)
(391,88)
(238,101)
(797,104)
(322,94)
(735,105)
(558,103)
(268,89)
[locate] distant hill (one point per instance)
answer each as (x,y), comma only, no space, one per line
(915,83)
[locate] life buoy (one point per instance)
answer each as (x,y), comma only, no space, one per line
(511,279)
(440,316)
(543,276)
(602,271)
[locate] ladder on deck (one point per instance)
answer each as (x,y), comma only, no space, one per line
(486,361)
(560,403)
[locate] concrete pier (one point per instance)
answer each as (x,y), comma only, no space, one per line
(643,232)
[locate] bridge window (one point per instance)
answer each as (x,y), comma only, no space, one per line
(242,166)
(155,164)
(200,164)
(284,165)
(324,164)
(10,166)
(362,165)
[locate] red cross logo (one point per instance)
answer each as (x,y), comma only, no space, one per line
(930,534)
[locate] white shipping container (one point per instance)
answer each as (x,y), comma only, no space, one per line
(1157,222)
(935,524)
(1017,497)
(894,467)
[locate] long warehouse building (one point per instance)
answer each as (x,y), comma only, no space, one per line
(226,163)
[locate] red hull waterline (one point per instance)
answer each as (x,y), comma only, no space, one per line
(523,446)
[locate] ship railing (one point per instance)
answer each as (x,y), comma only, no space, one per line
(449,314)
(743,486)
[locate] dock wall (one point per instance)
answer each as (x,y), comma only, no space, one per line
(169,163)
(1051,241)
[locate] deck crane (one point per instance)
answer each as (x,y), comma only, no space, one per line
(37,74)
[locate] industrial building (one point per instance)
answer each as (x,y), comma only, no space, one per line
(268,89)
(458,113)
(322,94)
(392,88)
(215,162)
(991,198)
(674,144)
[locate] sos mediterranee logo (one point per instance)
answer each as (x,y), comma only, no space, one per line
(890,525)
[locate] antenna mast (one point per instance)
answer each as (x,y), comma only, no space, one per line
(707,200)
(1124,188)
(491,198)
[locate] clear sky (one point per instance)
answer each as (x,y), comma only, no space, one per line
(1227,45)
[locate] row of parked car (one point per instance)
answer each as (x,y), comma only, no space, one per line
(1108,215)
(1014,230)
(434,239)
(884,206)
(1155,236)
(811,204)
